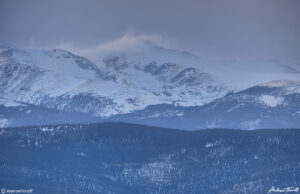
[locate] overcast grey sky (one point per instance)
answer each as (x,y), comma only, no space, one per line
(221,28)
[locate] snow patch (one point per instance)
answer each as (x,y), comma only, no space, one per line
(235,107)
(250,124)
(271,101)
(213,144)
(4,123)
(46,129)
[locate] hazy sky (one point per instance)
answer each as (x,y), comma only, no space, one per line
(221,28)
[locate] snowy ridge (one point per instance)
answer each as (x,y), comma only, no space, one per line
(9,103)
(288,85)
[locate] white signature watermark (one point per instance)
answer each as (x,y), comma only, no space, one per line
(16,191)
(283,190)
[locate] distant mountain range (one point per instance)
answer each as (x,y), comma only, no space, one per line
(153,85)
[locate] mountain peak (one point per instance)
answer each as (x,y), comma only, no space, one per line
(282,83)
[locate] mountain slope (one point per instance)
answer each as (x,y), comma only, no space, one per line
(122,158)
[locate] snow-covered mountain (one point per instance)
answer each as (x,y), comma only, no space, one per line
(272,105)
(117,84)
(125,82)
